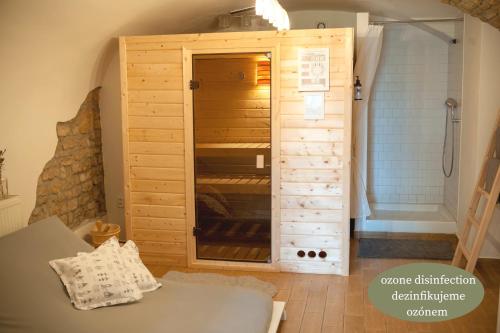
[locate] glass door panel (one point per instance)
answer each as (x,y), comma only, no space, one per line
(232,137)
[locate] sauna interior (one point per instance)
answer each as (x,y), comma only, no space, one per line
(249,166)
(232,141)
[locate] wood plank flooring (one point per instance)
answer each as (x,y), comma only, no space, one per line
(336,304)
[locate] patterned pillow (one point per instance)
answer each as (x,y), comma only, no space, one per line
(97,279)
(140,274)
(133,264)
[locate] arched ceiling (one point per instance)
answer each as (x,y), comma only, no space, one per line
(486,10)
(395,9)
(199,15)
(387,8)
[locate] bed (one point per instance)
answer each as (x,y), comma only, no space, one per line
(34,300)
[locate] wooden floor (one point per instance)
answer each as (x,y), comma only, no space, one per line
(328,303)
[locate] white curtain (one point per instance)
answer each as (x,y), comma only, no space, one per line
(366,66)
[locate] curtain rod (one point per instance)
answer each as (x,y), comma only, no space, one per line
(241,10)
(419,21)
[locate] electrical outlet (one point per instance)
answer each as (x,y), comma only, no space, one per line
(120,203)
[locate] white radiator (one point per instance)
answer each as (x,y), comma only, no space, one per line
(11,217)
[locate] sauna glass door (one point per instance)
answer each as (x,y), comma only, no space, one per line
(232,148)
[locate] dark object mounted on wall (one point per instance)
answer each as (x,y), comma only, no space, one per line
(357,90)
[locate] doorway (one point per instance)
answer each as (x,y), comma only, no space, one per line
(232,156)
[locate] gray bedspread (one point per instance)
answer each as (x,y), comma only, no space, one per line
(33,300)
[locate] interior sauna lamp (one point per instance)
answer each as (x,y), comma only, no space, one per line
(272,11)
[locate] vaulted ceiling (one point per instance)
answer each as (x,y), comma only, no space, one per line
(387,8)
(486,10)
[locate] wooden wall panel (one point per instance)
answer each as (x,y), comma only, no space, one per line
(155,150)
(314,155)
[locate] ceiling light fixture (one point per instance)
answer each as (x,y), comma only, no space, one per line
(272,11)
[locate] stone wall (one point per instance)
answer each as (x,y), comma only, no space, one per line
(71,185)
(486,10)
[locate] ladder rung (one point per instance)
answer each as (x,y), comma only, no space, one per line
(465,252)
(474,221)
(483,192)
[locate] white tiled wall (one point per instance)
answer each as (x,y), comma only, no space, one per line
(406,118)
(455,55)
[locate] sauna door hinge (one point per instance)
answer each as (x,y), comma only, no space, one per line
(194,85)
(196,231)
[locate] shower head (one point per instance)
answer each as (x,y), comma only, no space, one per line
(451,103)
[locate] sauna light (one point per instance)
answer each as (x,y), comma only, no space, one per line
(272,11)
(264,72)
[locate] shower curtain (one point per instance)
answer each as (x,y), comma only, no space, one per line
(366,66)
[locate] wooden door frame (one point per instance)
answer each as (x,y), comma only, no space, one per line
(187,72)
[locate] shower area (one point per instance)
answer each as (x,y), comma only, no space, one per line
(414,130)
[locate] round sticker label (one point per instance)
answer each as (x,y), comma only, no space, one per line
(426,292)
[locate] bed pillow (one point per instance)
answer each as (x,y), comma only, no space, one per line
(133,264)
(97,279)
(140,274)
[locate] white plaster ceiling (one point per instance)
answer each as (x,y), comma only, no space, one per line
(199,15)
(387,8)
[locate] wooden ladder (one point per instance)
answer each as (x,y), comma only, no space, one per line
(481,223)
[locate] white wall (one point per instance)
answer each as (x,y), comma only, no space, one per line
(112,141)
(406,118)
(481,103)
(309,19)
(53,53)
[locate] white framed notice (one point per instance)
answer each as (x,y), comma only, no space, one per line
(314,105)
(314,69)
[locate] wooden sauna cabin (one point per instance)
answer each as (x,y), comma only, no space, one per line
(222,166)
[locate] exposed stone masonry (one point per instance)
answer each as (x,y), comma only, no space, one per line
(486,10)
(71,185)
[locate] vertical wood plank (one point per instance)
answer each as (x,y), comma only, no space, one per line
(275,155)
(125,138)
(187,65)
(346,159)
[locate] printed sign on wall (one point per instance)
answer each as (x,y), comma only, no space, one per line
(314,105)
(314,69)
